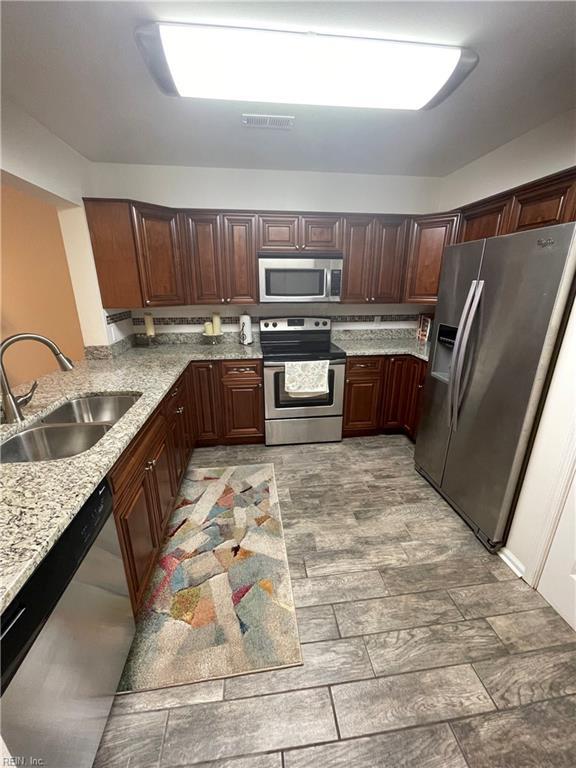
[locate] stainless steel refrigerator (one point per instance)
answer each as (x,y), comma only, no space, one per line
(502,304)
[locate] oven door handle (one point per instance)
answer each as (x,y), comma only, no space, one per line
(275,366)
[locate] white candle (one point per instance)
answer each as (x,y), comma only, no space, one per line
(216,324)
(208,329)
(149,324)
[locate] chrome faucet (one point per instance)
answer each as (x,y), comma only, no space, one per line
(12,404)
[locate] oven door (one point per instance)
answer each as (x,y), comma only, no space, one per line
(279,405)
(283,279)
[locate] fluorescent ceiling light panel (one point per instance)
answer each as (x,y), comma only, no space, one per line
(259,65)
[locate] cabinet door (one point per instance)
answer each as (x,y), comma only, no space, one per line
(162,272)
(411,381)
(202,237)
(358,244)
(278,233)
(321,233)
(362,405)
(240,259)
(112,237)
(388,260)
(163,480)
(543,205)
(243,408)
(428,237)
(394,395)
(206,403)
(136,520)
(485,220)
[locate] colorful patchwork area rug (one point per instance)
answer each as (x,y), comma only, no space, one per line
(220,601)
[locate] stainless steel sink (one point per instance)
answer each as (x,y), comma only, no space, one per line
(91,408)
(52,441)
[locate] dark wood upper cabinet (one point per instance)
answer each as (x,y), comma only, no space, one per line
(162,271)
(239,258)
(358,244)
(485,220)
(202,237)
(321,233)
(388,260)
(290,233)
(429,235)
(112,236)
(543,205)
(278,233)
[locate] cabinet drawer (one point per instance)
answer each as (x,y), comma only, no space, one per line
(241,369)
(123,472)
(361,367)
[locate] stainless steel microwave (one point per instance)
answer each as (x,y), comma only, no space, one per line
(304,278)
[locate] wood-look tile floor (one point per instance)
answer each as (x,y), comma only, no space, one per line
(420,648)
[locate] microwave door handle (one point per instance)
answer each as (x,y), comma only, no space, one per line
(327,283)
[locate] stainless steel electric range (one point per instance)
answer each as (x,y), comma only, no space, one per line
(314,419)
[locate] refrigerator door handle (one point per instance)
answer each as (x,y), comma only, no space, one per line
(457,345)
(457,397)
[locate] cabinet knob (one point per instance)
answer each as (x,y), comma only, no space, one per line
(347,381)
(180,410)
(373,299)
(259,386)
(367,299)
(147,301)
(228,300)
(223,300)
(174,392)
(297,247)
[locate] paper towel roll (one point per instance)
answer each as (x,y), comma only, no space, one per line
(216,324)
(208,329)
(246,329)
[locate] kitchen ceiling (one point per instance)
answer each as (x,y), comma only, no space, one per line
(74,66)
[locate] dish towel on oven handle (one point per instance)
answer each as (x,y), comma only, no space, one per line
(306,378)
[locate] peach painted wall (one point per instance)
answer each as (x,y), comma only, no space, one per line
(36,290)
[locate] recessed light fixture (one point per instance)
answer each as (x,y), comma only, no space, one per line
(261,65)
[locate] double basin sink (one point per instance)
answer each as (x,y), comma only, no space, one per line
(72,428)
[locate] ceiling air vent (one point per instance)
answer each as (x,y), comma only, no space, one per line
(274,122)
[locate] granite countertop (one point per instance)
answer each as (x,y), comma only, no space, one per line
(39,499)
(383,346)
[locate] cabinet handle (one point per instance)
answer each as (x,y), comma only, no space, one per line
(240,370)
(174,392)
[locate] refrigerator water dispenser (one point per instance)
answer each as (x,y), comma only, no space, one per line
(445,339)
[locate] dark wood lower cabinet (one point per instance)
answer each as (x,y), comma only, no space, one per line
(228,402)
(383,394)
(205,387)
(136,521)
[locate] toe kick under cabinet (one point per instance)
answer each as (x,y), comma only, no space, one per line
(383,394)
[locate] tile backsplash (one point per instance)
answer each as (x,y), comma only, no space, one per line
(176,325)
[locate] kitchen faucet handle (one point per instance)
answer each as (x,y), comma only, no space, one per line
(25,399)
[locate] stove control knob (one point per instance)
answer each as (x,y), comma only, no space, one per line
(266,325)
(274,325)
(324,322)
(316,323)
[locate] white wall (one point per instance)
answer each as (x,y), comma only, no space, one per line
(550,467)
(83,275)
(547,149)
(263,189)
(32,153)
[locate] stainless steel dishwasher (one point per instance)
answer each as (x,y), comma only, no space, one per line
(65,638)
